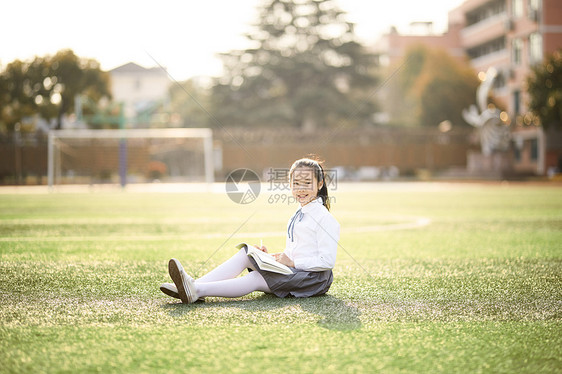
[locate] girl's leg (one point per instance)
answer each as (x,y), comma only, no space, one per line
(229,269)
(236,287)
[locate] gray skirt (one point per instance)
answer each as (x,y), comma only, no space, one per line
(301,283)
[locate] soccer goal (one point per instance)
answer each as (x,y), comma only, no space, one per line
(130,156)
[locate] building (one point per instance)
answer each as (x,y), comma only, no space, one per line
(141,90)
(393,46)
(512,36)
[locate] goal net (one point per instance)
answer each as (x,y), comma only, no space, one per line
(130,156)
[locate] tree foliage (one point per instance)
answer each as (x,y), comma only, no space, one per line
(304,69)
(47,86)
(189,100)
(432,87)
(545,91)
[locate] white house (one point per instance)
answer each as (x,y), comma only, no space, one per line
(140,89)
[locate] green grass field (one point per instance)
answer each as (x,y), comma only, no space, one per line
(477,287)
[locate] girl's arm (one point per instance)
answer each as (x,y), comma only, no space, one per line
(324,256)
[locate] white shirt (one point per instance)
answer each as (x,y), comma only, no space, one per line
(313,241)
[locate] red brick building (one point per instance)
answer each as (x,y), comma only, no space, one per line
(511,36)
(392,46)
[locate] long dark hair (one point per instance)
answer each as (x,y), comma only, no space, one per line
(315,165)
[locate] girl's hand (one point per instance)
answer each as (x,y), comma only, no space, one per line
(263,248)
(284,259)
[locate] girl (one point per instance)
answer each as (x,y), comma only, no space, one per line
(310,251)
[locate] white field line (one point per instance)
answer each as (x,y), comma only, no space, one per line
(418,222)
(219,187)
(117,221)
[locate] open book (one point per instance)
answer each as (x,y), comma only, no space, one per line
(265,261)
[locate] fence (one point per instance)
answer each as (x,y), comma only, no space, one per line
(24,160)
(408,149)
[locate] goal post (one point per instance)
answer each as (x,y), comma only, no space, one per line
(175,152)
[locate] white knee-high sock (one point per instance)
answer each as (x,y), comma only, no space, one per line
(229,269)
(236,287)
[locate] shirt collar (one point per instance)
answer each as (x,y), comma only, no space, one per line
(314,204)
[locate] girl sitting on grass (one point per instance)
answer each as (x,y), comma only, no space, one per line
(310,251)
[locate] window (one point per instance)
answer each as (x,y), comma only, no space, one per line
(516,102)
(535,48)
(534,149)
(490,47)
(517,153)
(516,51)
(534,5)
(517,8)
(533,10)
(489,10)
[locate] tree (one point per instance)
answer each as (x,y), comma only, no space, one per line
(48,85)
(432,88)
(16,94)
(545,91)
(75,76)
(304,69)
(189,101)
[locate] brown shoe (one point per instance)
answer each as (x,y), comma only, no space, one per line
(184,283)
(170,289)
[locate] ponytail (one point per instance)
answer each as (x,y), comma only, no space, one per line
(323,192)
(319,174)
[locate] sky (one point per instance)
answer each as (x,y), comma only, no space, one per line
(182,35)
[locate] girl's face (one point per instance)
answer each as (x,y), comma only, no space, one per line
(304,185)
